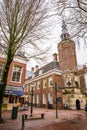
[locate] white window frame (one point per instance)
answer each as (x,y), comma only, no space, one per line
(50,98)
(44,98)
(50,81)
(44,83)
(20,74)
(37,99)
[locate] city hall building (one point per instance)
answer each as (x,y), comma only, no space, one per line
(61,80)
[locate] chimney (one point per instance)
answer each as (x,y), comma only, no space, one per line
(54,57)
(36,67)
(85,68)
(32,69)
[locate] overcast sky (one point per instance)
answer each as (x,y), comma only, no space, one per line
(54,39)
(80,51)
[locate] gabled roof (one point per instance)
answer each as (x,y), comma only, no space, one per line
(48,67)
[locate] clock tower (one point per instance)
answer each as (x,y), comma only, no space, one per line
(67,51)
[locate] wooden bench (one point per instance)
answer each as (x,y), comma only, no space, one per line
(26,116)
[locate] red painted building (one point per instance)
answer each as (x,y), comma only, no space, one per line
(15,81)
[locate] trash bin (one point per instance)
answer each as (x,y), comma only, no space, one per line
(50,106)
(14,112)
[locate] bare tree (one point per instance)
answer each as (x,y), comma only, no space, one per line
(75,15)
(22,22)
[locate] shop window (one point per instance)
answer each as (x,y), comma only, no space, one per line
(11,99)
(16,76)
(6,99)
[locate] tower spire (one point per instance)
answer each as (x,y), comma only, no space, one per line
(65,35)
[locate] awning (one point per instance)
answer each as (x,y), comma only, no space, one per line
(13,90)
(18,93)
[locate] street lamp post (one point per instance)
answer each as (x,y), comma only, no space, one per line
(56,101)
(33,84)
(57,88)
(31,110)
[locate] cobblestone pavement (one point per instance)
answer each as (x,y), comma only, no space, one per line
(67,120)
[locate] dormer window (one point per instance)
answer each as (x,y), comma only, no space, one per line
(40,72)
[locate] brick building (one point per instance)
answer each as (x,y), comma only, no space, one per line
(45,79)
(65,73)
(15,81)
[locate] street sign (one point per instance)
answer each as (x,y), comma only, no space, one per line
(58,99)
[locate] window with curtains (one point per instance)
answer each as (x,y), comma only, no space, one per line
(44,98)
(50,82)
(1,69)
(50,98)
(44,83)
(16,75)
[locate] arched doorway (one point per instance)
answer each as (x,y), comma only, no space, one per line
(78,104)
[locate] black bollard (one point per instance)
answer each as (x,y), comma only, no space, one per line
(22,121)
